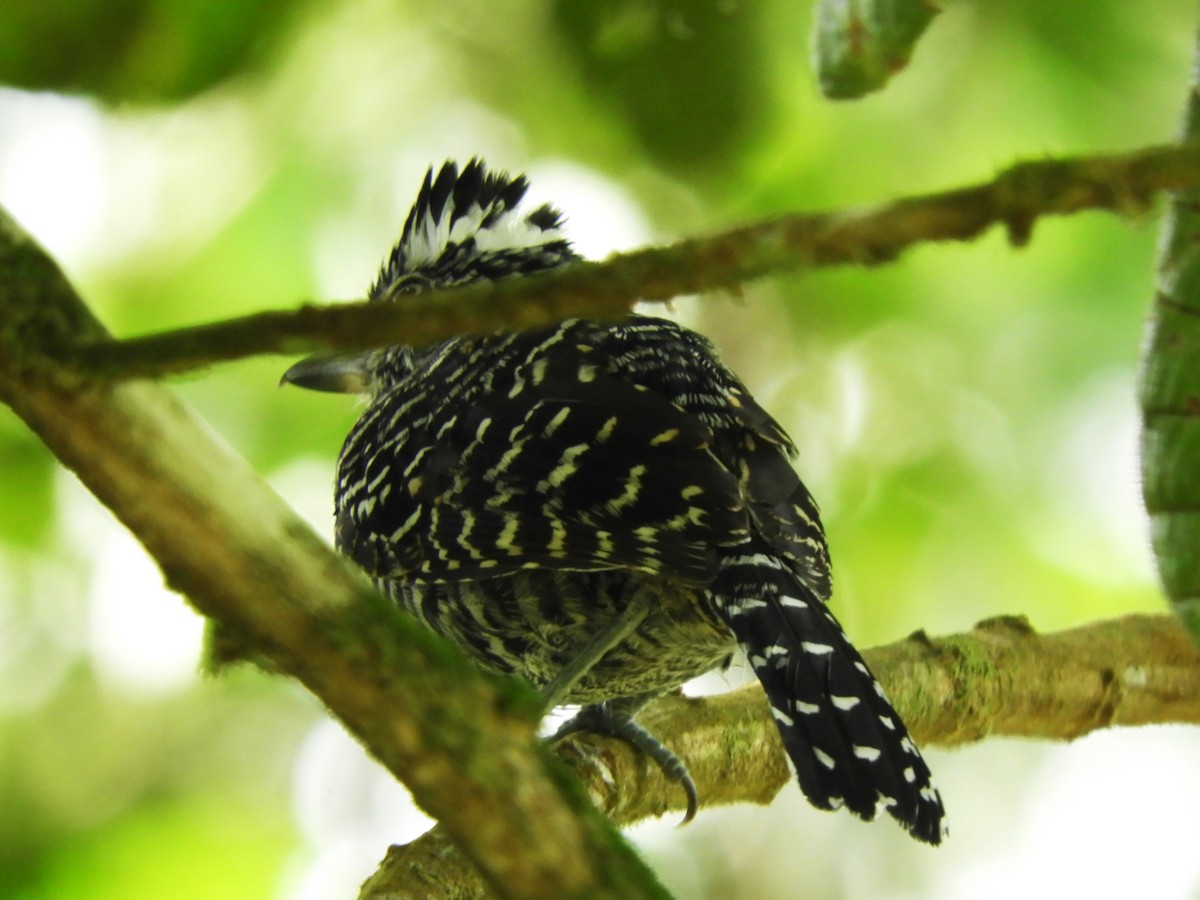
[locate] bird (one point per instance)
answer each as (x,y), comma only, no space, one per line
(602,508)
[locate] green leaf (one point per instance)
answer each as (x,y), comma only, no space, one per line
(1170,399)
(858,45)
(688,78)
(141,50)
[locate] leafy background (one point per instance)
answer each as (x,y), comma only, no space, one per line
(966,416)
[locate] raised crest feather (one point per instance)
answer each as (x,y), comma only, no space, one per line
(468,225)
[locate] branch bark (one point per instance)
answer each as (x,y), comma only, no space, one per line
(1016,198)
(1001,678)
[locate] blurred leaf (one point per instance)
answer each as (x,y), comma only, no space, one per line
(139,50)
(858,45)
(688,77)
(1170,399)
(27,488)
(199,849)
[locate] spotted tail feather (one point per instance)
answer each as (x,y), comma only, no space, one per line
(847,744)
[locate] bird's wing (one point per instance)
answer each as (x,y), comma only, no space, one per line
(557,461)
(682,366)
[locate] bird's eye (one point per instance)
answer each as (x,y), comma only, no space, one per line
(406,288)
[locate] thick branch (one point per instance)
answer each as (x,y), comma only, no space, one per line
(463,743)
(999,679)
(1121,183)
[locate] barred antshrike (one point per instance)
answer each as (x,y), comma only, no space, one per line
(603,509)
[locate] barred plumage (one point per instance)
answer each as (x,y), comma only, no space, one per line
(603,509)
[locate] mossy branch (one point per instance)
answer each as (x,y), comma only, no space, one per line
(1016,199)
(1002,678)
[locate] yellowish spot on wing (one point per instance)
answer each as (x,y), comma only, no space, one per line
(664,437)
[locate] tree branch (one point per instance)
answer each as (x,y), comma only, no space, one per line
(464,743)
(1001,678)
(1017,198)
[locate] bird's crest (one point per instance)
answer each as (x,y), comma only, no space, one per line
(467,225)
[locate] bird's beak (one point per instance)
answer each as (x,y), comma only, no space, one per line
(338,374)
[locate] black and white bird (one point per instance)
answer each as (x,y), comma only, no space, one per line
(603,509)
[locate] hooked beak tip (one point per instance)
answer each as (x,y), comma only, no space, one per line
(337,374)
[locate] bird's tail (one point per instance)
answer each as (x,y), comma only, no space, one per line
(846,741)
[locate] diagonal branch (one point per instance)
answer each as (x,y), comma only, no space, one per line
(1001,678)
(463,743)
(1016,198)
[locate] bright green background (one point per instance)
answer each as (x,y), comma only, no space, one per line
(965,416)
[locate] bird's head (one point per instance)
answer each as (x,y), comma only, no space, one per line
(465,226)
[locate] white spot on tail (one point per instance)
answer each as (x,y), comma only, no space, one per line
(870,754)
(844,703)
(823,758)
(816,649)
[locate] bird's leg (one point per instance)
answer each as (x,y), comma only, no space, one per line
(598,645)
(614,718)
